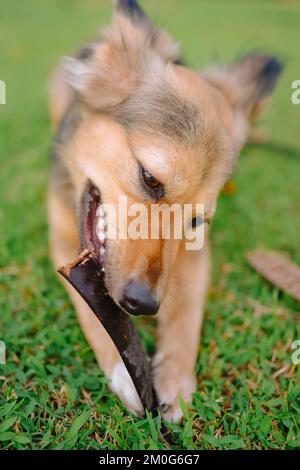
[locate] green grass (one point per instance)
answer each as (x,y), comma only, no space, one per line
(52,394)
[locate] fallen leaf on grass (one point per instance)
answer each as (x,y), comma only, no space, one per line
(278,270)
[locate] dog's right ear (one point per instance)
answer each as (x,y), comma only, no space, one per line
(131,8)
(115,67)
(248,83)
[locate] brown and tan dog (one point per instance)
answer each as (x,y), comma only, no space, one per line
(132,121)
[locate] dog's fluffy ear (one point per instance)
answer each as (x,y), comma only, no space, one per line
(117,64)
(247,83)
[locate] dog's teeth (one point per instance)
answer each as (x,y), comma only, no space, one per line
(101,236)
(101,223)
(100,211)
(103,270)
(102,251)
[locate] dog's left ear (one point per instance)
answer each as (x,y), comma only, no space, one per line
(247,83)
(131,46)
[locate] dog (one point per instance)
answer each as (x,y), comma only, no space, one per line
(132,120)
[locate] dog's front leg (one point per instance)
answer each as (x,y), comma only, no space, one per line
(180,319)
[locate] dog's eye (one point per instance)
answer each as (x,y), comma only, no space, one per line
(196,222)
(152,185)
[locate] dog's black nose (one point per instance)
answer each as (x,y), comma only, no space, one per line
(138,299)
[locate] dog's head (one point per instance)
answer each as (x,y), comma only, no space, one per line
(154,131)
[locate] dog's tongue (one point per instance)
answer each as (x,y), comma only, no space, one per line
(85,275)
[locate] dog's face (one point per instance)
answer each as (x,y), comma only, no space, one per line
(155,132)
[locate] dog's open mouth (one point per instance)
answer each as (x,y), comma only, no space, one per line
(137,298)
(93,234)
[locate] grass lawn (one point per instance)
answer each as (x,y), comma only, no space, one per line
(52,393)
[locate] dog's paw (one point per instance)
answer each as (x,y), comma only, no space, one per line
(170,384)
(122,385)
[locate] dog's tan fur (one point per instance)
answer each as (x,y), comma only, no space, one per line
(125,99)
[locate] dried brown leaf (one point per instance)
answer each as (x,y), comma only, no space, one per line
(278,270)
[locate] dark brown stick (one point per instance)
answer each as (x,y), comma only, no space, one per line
(85,276)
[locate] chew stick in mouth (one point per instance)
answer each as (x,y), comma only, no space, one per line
(86,277)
